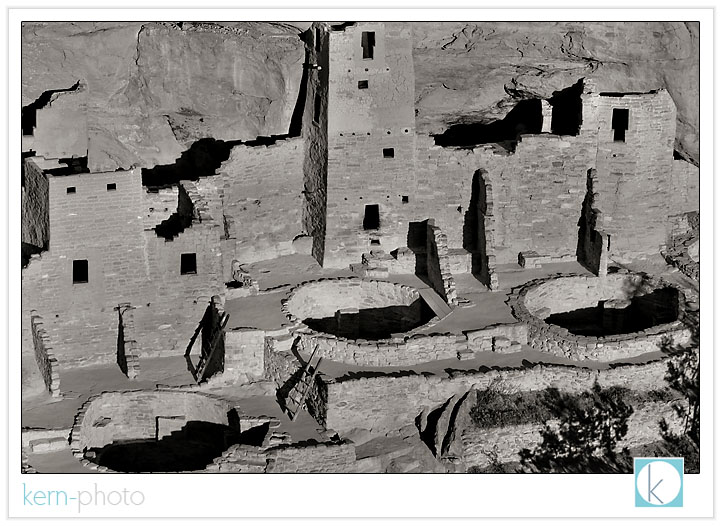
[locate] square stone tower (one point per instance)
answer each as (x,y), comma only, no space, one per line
(359,129)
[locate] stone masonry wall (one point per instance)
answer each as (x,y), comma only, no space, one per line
(409,350)
(244,353)
(437,264)
(326,457)
(127,263)
(44,356)
(537,193)
(262,198)
(159,205)
(103,227)
(362,123)
(128,349)
(316,458)
(385,402)
(635,175)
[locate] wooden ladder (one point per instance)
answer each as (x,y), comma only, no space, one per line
(297,396)
(209,350)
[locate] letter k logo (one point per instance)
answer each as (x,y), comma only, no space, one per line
(650,493)
(658,482)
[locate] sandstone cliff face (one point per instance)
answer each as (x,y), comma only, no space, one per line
(155,88)
(476,72)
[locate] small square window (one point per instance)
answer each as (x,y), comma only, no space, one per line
(375,242)
(80,271)
(70,189)
(388,153)
(404,199)
(188,264)
(363,84)
(110,186)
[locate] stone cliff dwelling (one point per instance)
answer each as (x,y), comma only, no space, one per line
(331,297)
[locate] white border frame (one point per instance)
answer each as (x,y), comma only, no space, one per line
(365,495)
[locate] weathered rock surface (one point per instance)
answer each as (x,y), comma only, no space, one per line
(476,72)
(155,88)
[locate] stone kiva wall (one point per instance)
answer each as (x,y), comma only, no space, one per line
(131,415)
(536,300)
(326,297)
(323,298)
(384,402)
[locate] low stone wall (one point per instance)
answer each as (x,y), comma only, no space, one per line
(410,350)
(413,349)
(384,402)
(326,457)
(244,354)
(315,458)
(537,299)
(489,339)
(478,447)
(278,365)
(44,356)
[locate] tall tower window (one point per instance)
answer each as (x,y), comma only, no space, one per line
(371,217)
(620,123)
(368,41)
(80,271)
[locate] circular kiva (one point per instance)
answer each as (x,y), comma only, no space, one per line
(365,322)
(153,431)
(617,316)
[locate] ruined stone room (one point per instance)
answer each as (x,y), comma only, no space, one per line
(359,247)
